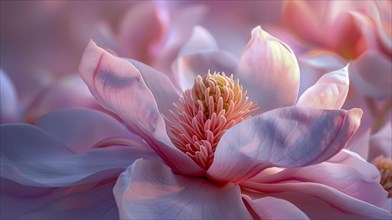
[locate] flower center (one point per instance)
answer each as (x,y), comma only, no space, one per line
(201,117)
(384,165)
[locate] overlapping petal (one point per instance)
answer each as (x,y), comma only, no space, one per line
(149,190)
(329,92)
(118,86)
(82,129)
(274,208)
(269,71)
(38,160)
(285,137)
(86,201)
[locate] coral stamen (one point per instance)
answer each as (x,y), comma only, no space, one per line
(200,118)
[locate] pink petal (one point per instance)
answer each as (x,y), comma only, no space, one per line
(346,172)
(8,100)
(200,40)
(300,17)
(81,129)
(329,92)
(163,90)
(315,64)
(198,55)
(371,73)
(318,201)
(38,160)
(89,201)
(143,40)
(149,190)
(274,208)
(285,137)
(186,68)
(269,71)
(118,86)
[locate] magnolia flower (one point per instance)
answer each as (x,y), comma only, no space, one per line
(362,34)
(209,158)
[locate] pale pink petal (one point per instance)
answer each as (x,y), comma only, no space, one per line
(162,88)
(381,143)
(143,31)
(183,22)
(88,201)
(198,55)
(68,92)
(301,18)
(285,137)
(8,100)
(274,208)
(315,64)
(200,40)
(269,71)
(186,68)
(329,92)
(346,172)
(371,73)
(149,190)
(118,86)
(318,201)
(82,129)
(38,160)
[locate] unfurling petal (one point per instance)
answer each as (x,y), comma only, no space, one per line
(199,55)
(346,172)
(269,71)
(285,137)
(149,190)
(274,208)
(38,160)
(143,40)
(118,86)
(329,92)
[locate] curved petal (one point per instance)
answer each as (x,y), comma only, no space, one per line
(269,71)
(8,100)
(301,18)
(81,129)
(371,72)
(200,40)
(37,160)
(186,68)
(318,201)
(274,208)
(346,172)
(286,137)
(87,201)
(149,190)
(329,92)
(164,92)
(118,86)
(143,40)
(360,144)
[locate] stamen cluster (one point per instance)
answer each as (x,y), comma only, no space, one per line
(201,117)
(384,165)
